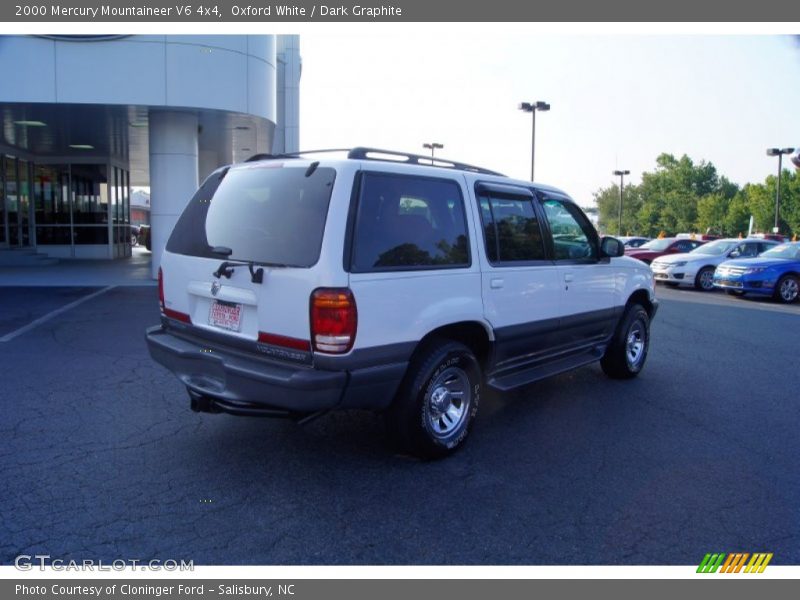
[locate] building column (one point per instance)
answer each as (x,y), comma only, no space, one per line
(208,161)
(173,174)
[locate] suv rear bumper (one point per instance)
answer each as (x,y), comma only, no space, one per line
(236,380)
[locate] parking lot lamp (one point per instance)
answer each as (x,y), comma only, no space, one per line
(433,146)
(621,175)
(779,152)
(532,107)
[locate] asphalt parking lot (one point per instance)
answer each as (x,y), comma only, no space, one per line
(102,458)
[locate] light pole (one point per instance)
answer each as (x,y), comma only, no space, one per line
(779,152)
(621,175)
(433,146)
(532,107)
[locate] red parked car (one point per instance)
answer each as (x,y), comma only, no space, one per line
(656,248)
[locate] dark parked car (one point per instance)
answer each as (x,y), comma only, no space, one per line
(661,247)
(633,241)
(144,236)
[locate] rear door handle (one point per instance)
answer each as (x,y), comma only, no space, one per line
(496,283)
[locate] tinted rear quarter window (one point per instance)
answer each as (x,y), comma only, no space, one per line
(405,222)
(263,214)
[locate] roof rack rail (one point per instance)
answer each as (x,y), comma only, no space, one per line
(415,159)
(364,153)
(257,157)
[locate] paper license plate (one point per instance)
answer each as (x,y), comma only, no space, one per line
(226,315)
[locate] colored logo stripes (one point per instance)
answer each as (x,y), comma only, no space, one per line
(734,561)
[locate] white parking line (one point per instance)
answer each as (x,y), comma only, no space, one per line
(10,336)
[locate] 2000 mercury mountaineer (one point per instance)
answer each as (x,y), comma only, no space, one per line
(388,281)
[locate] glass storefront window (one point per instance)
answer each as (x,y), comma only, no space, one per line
(126,194)
(50,182)
(65,204)
(53,235)
(91,235)
(3,239)
(23,216)
(12,200)
(90,195)
(114,193)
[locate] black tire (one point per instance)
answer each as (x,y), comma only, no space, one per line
(425,419)
(134,240)
(704,280)
(787,290)
(633,329)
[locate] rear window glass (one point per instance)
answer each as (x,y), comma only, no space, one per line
(409,223)
(265,215)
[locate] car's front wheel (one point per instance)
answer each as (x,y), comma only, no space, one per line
(788,289)
(627,353)
(705,279)
(437,402)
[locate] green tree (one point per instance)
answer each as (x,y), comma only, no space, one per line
(712,210)
(607,200)
(668,198)
(759,199)
(737,218)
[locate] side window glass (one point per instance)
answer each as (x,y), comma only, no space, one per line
(511,230)
(409,222)
(573,237)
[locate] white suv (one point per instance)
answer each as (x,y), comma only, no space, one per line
(384,281)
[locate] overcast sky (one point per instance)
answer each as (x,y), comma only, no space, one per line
(617,100)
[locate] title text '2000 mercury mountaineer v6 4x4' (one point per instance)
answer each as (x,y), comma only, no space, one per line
(293,285)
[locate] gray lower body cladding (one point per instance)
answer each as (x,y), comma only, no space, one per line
(233,377)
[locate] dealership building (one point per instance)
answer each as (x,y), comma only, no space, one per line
(87,118)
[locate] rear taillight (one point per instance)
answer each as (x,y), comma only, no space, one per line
(333,320)
(172,314)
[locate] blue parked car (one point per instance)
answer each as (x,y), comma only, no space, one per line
(775,273)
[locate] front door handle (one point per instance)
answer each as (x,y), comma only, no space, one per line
(496,283)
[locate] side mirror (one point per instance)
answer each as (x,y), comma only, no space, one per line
(733,254)
(611,247)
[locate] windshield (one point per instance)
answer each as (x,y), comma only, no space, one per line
(657,245)
(263,214)
(714,248)
(788,251)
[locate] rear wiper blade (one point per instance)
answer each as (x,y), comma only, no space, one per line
(256,275)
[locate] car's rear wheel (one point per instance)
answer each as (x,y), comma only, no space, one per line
(433,411)
(704,280)
(788,289)
(627,353)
